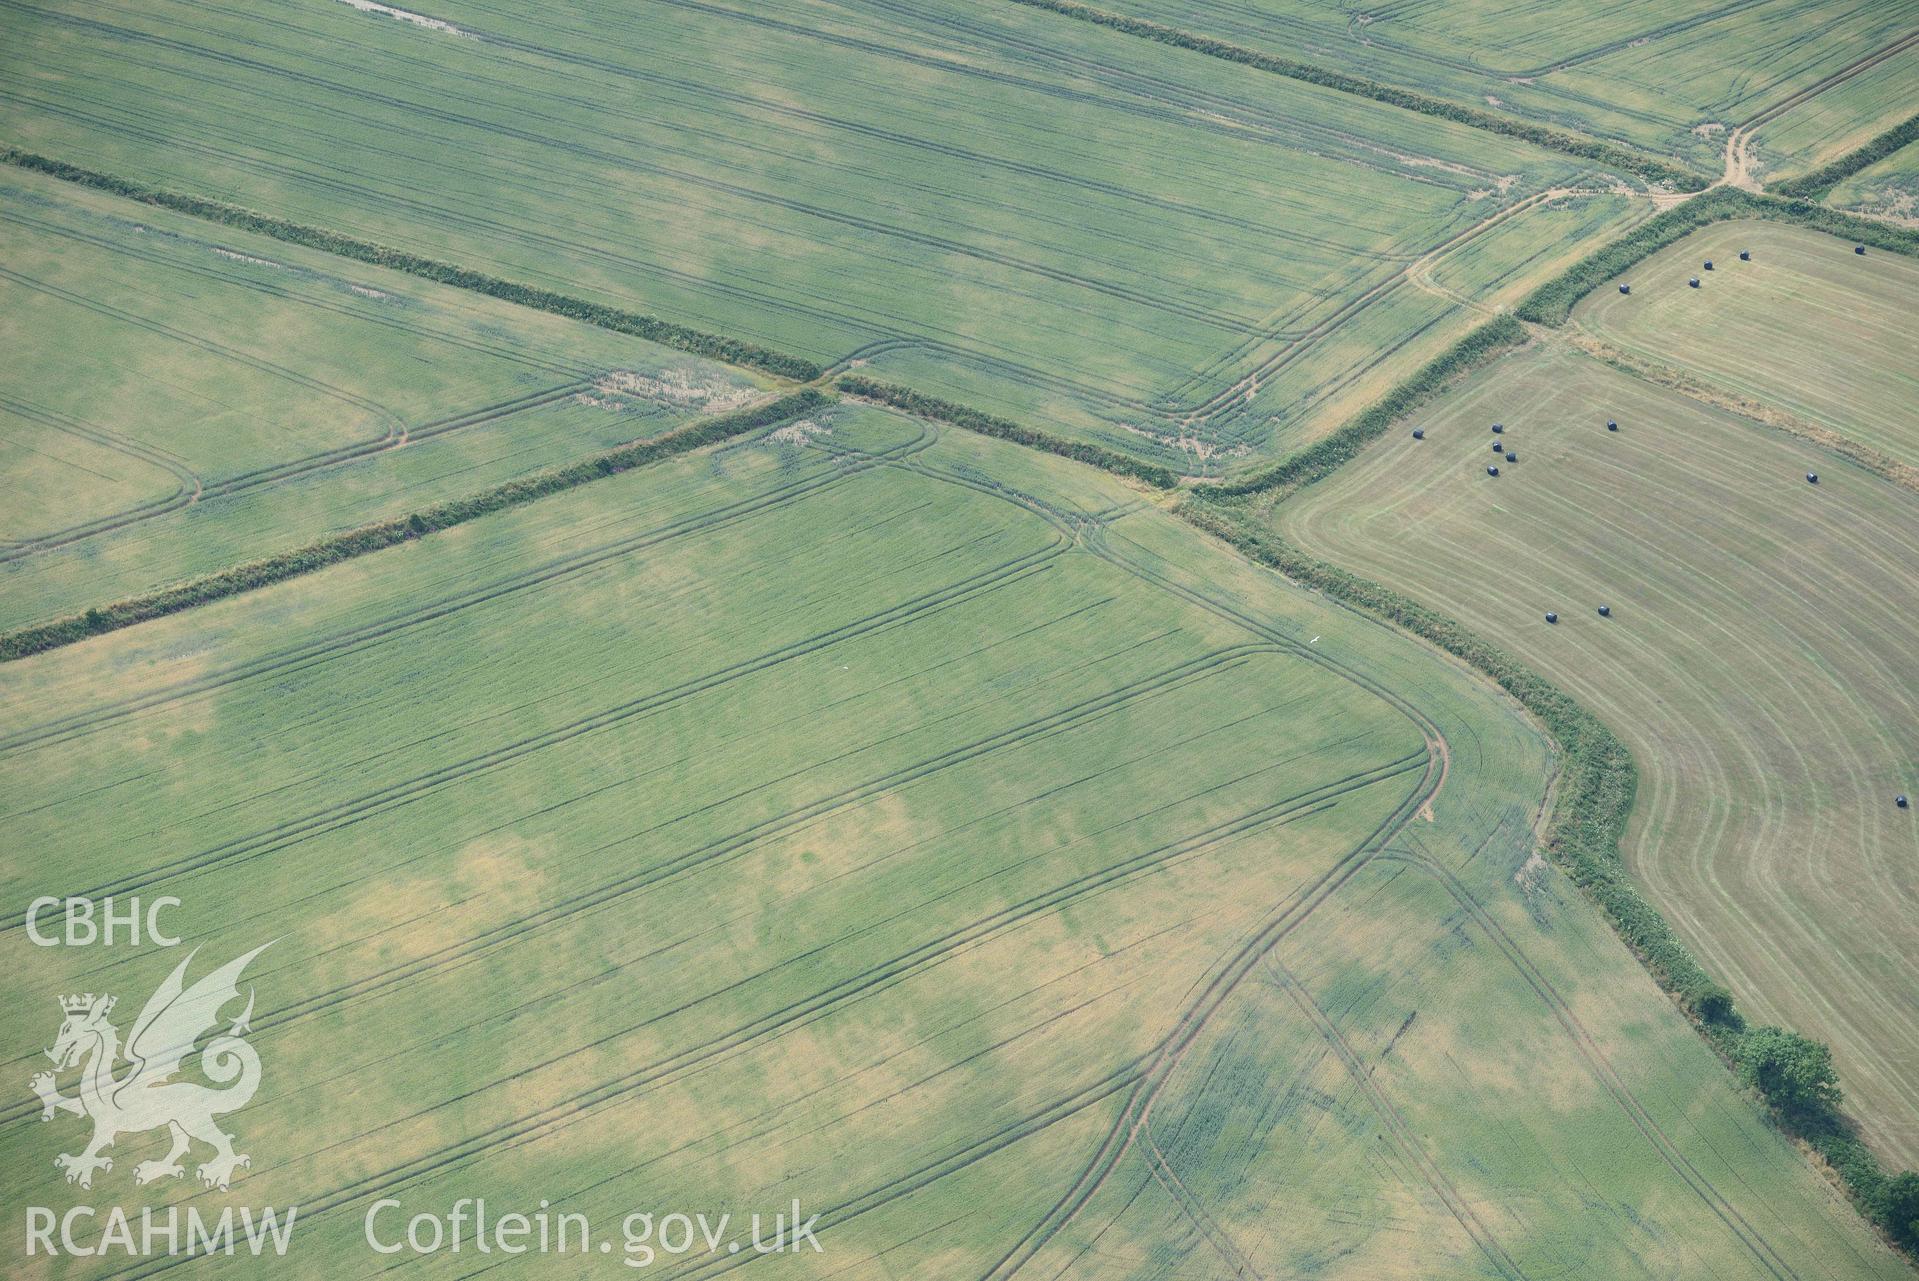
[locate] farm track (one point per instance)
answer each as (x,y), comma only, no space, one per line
(385,628)
(735,844)
(1262,943)
(794,1014)
(1588,1047)
(1403,1137)
(186,489)
(281,836)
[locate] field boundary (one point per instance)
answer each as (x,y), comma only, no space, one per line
(1818,184)
(1612,155)
(1904,475)
(1324,456)
(921,405)
(39,637)
(732,351)
(1552,302)
(1598,784)
(1599,779)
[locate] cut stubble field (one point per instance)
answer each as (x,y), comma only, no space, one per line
(1807,326)
(1757,662)
(909,823)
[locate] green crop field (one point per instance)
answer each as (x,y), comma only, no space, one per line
(1806,326)
(1888,189)
(183,397)
(1839,118)
(888,818)
(809,638)
(1759,662)
(1185,259)
(1672,79)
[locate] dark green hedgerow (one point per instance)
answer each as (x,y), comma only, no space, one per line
(1599,778)
(1817,184)
(1597,785)
(946,411)
(651,328)
(1608,154)
(381,534)
(1321,458)
(1553,301)
(1595,800)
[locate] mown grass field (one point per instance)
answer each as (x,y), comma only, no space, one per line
(181,397)
(1807,326)
(1758,664)
(1189,260)
(1672,79)
(1888,189)
(892,819)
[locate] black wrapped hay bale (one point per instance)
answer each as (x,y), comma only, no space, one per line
(1605,611)
(1745,255)
(1611,425)
(1492,471)
(1419,433)
(1551,617)
(1812,478)
(1694,282)
(1625,289)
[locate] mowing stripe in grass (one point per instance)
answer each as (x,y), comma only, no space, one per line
(370,538)
(731,350)
(1553,301)
(1609,154)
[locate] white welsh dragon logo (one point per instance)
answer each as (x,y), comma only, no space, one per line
(145,1097)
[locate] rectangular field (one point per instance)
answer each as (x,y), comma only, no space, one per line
(1670,78)
(181,397)
(1758,662)
(1806,326)
(1175,256)
(876,816)
(1889,189)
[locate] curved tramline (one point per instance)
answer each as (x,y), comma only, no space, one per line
(1081,286)
(1752,661)
(879,767)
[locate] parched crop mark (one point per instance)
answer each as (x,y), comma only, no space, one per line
(327,647)
(284,835)
(1596,1062)
(221,350)
(792,1015)
(1161,684)
(1403,1138)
